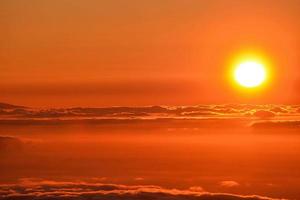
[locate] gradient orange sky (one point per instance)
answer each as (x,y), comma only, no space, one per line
(103,53)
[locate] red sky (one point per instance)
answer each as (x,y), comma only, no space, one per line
(103,53)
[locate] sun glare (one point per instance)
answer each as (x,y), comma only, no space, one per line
(250,74)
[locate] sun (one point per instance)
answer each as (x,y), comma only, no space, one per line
(250,74)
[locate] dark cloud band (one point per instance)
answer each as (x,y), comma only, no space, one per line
(50,190)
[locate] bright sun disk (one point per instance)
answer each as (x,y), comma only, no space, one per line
(250,74)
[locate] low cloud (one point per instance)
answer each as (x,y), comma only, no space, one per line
(50,190)
(264,114)
(229,184)
(15,115)
(196,189)
(277,124)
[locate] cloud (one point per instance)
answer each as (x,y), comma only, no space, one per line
(139,179)
(264,114)
(9,106)
(15,115)
(51,190)
(229,184)
(277,124)
(196,189)
(279,109)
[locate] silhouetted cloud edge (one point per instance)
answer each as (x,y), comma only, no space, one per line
(226,110)
(49,190)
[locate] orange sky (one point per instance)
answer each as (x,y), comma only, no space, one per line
(103,53)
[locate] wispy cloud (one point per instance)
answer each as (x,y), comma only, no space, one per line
(292,124)
(43,189)
(229,184)
(15,115)
(160,111)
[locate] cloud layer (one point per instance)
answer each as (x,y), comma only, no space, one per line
(50,190)
(227,110)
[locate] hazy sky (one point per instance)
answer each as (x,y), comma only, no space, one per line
(120,52)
